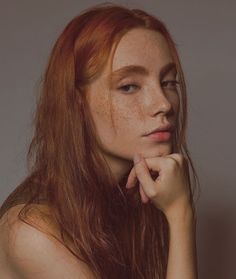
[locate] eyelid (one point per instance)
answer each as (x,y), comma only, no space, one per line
(172,80)
(128,84)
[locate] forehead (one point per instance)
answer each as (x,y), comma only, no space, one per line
(140,46)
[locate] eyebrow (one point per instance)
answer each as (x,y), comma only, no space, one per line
(137,69)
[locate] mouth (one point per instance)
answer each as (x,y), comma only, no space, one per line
(160,136)
(163,128)
(162,133)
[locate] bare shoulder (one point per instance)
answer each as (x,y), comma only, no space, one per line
(27,252)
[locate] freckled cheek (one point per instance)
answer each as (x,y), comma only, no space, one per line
(127,117)
(102,113)
(126,113)
(99,108)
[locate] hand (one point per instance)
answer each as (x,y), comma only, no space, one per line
(170,191)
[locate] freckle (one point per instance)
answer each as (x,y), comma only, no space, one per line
(102,105)
(130,114)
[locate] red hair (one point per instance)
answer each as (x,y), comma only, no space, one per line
(65,169)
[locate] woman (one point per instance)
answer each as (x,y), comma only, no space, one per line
(110,82)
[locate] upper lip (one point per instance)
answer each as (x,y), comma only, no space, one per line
(168,127)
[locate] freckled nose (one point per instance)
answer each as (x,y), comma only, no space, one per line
(159,103)
(165,104)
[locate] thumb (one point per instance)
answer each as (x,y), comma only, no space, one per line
(143,175)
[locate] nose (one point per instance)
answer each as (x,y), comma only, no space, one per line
(158,102)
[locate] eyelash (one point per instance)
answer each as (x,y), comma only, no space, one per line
(133,84)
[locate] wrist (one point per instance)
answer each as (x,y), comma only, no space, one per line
(181,215)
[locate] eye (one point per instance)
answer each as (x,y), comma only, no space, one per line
(173,84)
(125,88)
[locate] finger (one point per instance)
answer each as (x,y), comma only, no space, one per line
(154,164)
(132,179)
(144,198)
(178,157)
(144,176)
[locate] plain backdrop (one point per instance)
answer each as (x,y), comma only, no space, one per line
(205,34)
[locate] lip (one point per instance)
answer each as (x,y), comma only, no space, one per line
(160,136)
(164,128)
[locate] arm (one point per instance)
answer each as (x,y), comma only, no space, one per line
(170,192)
(182,259)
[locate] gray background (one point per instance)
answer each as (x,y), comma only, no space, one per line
(205,34)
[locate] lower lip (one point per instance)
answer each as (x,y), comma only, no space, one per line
(160,136)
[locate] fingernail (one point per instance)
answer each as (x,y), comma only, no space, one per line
(137,158)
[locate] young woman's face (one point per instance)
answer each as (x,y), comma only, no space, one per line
(141,101)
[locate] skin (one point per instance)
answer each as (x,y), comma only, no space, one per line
(135,110)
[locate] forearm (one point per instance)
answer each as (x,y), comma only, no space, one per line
(182,259)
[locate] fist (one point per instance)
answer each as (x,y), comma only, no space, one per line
(170,190)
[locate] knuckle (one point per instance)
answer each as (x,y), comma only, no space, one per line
(152,194)
(151,191)
(180,159)
(172,163)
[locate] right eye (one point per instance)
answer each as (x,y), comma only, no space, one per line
(125,88)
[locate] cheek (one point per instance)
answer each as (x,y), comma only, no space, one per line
(113,117)
(127,114)
(100,110)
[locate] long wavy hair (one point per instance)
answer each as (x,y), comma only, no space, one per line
(109,228)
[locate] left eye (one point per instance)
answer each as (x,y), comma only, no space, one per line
(170,82)
(126,87)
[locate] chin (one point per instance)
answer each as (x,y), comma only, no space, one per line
(164,152)
(161,150)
